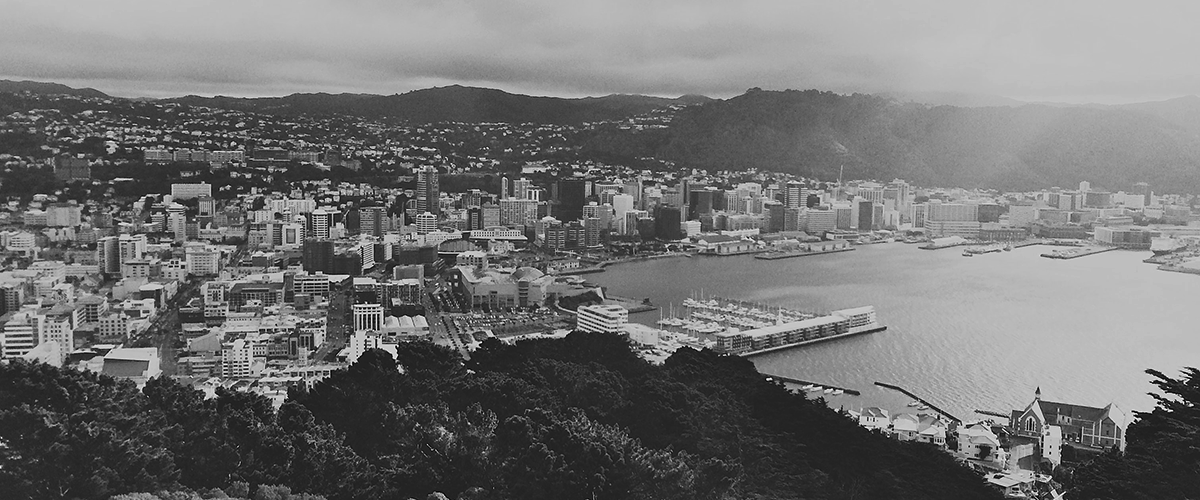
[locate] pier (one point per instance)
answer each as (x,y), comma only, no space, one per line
(797,381)
(1076,252)
(922,401)
(992,413)
(799,253)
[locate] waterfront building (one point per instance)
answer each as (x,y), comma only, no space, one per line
(1048,425)
(1126,237)
(602,318)
(495,288)
(942,228)
(992,231)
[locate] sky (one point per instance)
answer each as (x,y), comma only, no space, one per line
(1063,51)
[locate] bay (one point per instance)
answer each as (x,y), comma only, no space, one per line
(963,333)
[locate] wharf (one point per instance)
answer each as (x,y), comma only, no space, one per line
(632,305)
(992,413)
(922,401)
(936,246)
(580,270)
(812,341)
(1076,252)
(788,255)
(790,380)
(731,254)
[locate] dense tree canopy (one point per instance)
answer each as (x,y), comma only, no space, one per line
(581,417)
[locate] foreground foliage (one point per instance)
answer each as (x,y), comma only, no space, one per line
(581,417)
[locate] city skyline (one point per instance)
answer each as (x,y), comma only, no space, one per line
(1063,53)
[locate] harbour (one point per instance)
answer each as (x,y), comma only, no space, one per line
(799,253)
(953,322)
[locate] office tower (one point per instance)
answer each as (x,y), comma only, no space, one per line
(791,195)
(570,197)
(775,217)
(634,189)
(177,221)
(490,215)
(426,223)
(320,221)
(1143,189)
(131,247)
(371,221)
(700,202)
(504,188)
(428,191)
(667,223)
(317,255)
(622,203)
(520,189)
(518,211)
(108,255)
(474,218)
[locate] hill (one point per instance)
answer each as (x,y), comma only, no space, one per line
(48,89)
(813,133)
(454,103)
(580,417)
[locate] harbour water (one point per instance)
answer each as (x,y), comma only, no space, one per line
(963,333)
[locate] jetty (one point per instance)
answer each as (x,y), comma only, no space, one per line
(919,399)
(992,413)
(1077,252)
(797,381)
(799,253)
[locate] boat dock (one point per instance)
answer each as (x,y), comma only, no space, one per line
(800,253)
(992,413)
(797,381)
(1077,252)
(922,401)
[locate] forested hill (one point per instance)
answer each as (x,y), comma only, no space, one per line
(581,417)
(453,103)
(1028,147)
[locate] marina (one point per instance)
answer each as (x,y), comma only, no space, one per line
(920,401)
(808,386)
(749,329)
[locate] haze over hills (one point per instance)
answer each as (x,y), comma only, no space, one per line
(48,88)
(813,133)
(454,103)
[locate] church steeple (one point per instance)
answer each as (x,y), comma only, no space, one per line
(1037,394)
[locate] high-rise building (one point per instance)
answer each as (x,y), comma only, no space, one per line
(505,188)
(1143,189)
(317,256)
(518,211)
(426,223)
(372,221)
(791,195)
(108,255)
(21,334)
(428,191)
(667,221)
(474,218)
(131,246)
(320,221)
(368,317)
(570,196)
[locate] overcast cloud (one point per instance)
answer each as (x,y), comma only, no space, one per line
(1062,51)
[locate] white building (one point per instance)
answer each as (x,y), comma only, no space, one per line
(602,318)
(368,317)
(187,191)
(21,334)
(202,260)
